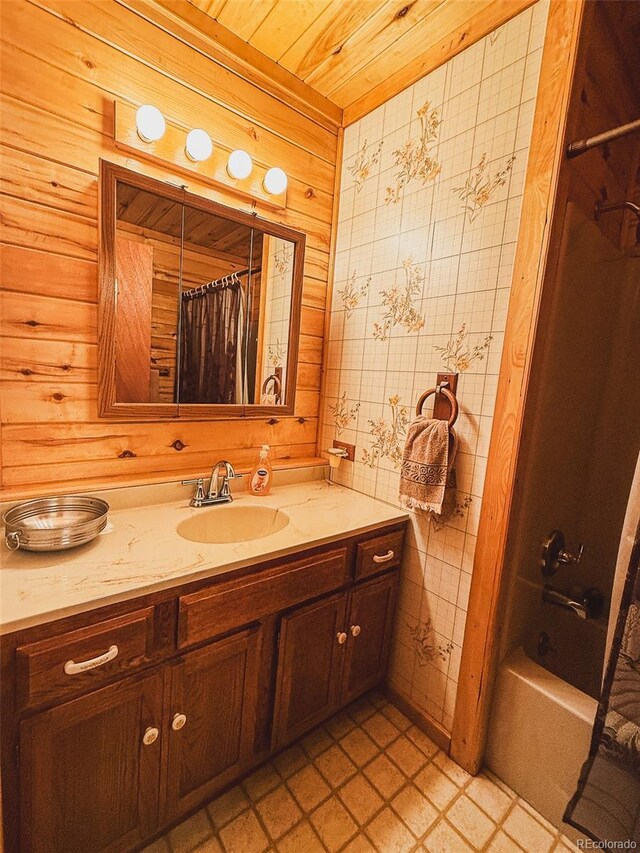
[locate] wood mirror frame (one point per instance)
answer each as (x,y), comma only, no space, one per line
(108,406)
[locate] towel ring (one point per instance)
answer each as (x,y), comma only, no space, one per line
(277,385)
(453,417)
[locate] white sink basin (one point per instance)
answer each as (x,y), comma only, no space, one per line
(231,523)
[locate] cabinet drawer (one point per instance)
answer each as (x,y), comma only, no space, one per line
(205,614)
(82,660)
(379,553)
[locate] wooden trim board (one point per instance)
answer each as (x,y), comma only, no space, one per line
(480,647)
(335,212)
(193,26)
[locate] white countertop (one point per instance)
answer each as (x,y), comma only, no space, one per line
(140,551)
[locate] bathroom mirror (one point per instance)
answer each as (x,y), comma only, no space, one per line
(199,304)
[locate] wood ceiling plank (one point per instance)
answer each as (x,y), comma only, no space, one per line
(441,21)
(448,44)
(209,7)
(218,43)
(382,28)
(284,24)
(215,7)
(243,17)
(328,31)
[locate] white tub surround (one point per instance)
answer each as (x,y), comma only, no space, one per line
(539,735)
(140,550)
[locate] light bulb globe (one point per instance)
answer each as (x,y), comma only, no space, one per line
(240,165)
(150,123)
(275,181)
(198,146)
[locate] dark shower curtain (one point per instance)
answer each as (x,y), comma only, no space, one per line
(606,806)
(209,340)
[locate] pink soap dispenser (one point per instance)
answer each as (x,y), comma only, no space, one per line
(262,474)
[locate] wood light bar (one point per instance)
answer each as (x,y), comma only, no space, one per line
(171,148)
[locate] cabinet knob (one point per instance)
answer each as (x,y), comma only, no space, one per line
(355,630)
(342,637)
(150,735)
(178,722)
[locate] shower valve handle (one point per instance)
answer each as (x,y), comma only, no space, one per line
(565,556)
(554,554)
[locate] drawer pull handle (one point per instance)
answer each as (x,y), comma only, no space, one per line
(178,721)
(355,630)
(150,735)
(342,637)
(73,668)
(384,558)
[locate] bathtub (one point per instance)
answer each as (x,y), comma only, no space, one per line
(539,735)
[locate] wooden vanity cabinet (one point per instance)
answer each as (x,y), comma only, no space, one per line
(309,663)
(210,719)
(371,608)
(87,779)
(209,678)
(331,652)
(99,757)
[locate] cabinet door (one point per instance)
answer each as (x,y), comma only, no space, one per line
(88,781)
(211,719)
(368,635)
(311,650)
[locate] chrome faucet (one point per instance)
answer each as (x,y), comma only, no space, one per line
(218,491)
(219,486)
(586,605)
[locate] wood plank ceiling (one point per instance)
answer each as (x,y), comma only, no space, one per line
(359,53)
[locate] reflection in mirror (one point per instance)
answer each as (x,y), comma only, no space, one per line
(203,303)
(235,326)
(147,269)
(216,302)
(277,266)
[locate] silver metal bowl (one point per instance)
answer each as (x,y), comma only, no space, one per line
(54,524)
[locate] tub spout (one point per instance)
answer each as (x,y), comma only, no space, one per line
(587,606)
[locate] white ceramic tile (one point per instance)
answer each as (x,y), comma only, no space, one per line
(465,70)
(459,113)
(501,91)
(459,225)
(496,138)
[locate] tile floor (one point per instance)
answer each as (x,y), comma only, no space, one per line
(368,780)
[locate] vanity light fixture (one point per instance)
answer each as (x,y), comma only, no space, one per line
(239,165)
(150,123)
(199,146)
(275,181)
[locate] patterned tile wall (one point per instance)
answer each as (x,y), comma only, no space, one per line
(432,185)
(277,309)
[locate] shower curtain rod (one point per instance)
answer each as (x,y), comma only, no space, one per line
(579,146)
(224,281)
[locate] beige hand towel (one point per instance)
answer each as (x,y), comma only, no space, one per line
(427,474)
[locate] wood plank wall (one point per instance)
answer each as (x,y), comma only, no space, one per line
(63,64)
(606,94)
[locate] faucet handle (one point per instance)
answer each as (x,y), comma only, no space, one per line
(198,496)
(554,554)
(567,556)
